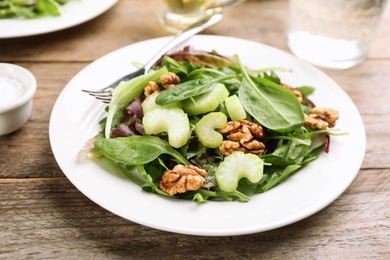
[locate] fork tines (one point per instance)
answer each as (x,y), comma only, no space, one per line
(104,96)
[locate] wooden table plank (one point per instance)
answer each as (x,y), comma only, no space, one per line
(36,214)
(42,215)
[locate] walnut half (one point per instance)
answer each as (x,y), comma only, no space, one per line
(151,88)
(242,135)
(321,118)
(182,178)
(169,80)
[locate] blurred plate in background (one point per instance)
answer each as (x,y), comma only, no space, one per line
(72,14)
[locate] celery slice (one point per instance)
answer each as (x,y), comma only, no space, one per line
(235,109)
(205,132)
(206,102)
(173,121)
(150,103)
(236,166)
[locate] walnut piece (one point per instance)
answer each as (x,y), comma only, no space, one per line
(182,178)
(151,88)
(296,92)
(321,118)
(242,136)
(228,147)
(327,114)
(315,123)
(169,80)
(254,146)
(230,127)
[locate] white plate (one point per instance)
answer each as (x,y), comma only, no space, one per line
(72,14)
(75,117)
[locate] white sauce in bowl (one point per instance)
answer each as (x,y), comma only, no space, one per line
(11,89)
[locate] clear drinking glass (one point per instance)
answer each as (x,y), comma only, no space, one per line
(182,13)
(333,33)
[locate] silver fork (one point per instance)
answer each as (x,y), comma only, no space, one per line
(213,16)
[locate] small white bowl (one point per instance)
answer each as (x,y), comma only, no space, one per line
(17,87)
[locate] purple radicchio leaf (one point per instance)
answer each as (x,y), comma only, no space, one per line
(134,109)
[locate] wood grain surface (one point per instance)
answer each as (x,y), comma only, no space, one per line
(43,216)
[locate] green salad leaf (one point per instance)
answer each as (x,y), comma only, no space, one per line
(188,89)
(136,150)
(270,104)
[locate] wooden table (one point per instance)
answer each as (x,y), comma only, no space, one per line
(42,215)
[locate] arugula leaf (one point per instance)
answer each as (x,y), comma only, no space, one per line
(313,154)
(48,6)
(30,9)
(175,67)
(199,198)
(21,11)
(276,178)
(202,195)
(231,195)
(150,185)
(291,148)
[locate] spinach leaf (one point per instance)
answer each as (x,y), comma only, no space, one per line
(128,91)
(270,104)
(306,90)
(179,69)
(188,89)
(136,150)
(272,76)
(203,73)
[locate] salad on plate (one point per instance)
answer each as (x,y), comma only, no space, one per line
(201,126)
(30,8)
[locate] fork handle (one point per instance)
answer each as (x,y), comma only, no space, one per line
(212,17)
